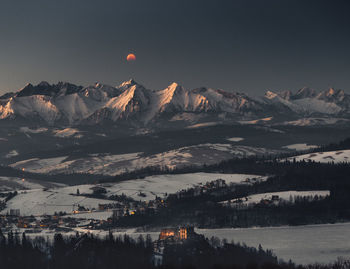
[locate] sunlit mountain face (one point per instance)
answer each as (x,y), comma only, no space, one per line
(102,129)
(130,103)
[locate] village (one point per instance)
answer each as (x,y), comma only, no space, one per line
(122,206)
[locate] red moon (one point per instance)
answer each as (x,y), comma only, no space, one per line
(131,57)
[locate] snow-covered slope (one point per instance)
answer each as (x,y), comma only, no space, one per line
(288,196)
(108,164)
(307,101)
(48,201)
(68,104)
(14,183)
(41,201)
(160,185)
(338,156)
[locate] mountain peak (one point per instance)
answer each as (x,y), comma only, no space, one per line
(67,102)
(174,86)
(128,83)
(330,92)
(270,95)
(45,88)
(333,92)
(44,84)
(305,92)
(332,95)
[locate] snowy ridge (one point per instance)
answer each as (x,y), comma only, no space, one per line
(65,103)
(339,156)
(282,196)
(108,164)
(37,200)
(308,101)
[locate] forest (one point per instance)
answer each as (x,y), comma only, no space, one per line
(90,252)
(204,210)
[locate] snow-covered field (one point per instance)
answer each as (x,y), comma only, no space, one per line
(67,132)
(161,184)
(284,195)
(303,244)
(38,165)
(14,183)
(205,124)
(12,153)
(38,202)
(338,156)
(315,121)
(109,164)
(235,139)
(257,121)
(301,146)
(33,131)
(103,215)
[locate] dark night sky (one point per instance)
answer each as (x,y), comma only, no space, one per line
(240,45)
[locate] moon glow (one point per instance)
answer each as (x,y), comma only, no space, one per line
(131,57)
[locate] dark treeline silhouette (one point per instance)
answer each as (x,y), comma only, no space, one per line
(81,178)
(345,144)
(70,179)
(205,211)
(254,164)
(88,252)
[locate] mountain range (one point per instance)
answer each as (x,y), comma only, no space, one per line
(132,104)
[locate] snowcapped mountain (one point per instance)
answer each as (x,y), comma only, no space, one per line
(308,102)
(68,104)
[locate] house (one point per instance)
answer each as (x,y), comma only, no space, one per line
(170,236)
(176,234)
(14,212)
(220,183)
(275,198)
(117,213)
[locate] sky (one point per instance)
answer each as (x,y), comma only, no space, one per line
(237,45)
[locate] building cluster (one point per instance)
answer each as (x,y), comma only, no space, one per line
(137,208)
(216,188)
(37,224)
(169,236)
(242,203)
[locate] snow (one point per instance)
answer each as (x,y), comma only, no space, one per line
(338,156)
(14,183)
(108,164)
(33,105)
(204,124)
(39,202)
(315,105)
(159,185)
(316,121)
(256,121)
(103,215)
(67,132)
(306,244)
(301,146)
(189,117)
(235,139)
(305,101)
(38,165)
(284,195)
(99,102)
(33,131)
(303,244)
(11,154)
